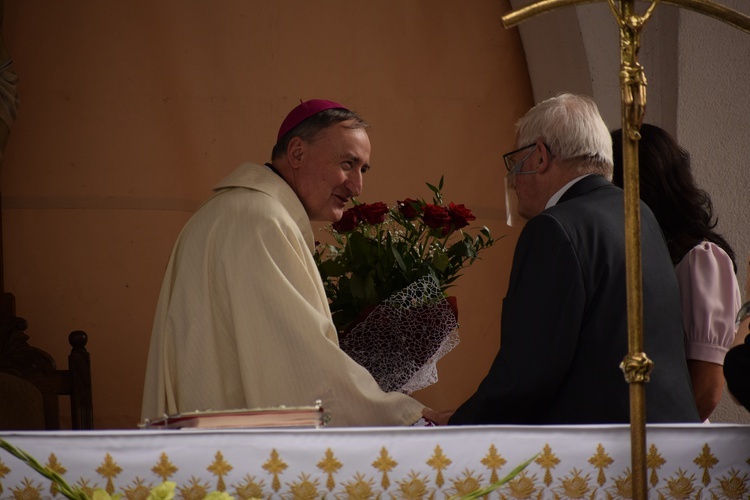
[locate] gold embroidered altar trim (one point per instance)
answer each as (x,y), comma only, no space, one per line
(340,469)
(372,484)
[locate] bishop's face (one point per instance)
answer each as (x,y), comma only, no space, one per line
(330,169)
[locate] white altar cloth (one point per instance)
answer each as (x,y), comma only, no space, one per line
(684,461)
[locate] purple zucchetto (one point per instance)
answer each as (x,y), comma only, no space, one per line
(304,111)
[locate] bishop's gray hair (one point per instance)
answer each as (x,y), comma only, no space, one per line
(310,127)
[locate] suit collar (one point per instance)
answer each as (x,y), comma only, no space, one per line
(584,185)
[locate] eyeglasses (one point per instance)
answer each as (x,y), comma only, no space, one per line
(514,165)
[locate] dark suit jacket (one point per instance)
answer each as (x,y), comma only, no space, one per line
(564,323)
(737,372)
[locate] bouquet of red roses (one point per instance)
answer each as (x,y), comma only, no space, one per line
(379,251)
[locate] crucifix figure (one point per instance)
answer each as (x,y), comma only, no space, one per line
(636,365)
(632,75)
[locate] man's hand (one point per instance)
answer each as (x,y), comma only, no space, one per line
(439,417)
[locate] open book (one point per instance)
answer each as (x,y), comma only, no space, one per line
(281,416)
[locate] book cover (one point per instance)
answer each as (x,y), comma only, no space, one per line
(281,416)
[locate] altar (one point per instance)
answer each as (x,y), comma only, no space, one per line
(683,461)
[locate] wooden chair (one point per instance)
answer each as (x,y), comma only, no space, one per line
(31,386)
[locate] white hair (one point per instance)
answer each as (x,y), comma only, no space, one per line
(572,128)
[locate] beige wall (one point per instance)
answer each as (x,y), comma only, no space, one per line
(132,109)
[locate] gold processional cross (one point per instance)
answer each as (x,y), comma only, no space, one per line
(636,365)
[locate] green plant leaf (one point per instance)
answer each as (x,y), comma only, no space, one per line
(62,485)
(440,260)
(399,259)
(489,489)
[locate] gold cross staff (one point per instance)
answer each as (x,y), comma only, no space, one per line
(636,365)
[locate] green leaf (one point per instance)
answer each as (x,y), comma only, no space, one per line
(486,491)
(331,268)
(462,249)
(399,259)
(440,261)
(357,287)
(62,486)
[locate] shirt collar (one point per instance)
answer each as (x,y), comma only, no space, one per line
(556,197)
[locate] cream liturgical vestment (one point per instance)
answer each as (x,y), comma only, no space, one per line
(243,320)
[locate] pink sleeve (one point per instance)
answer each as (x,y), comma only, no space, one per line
(710,301)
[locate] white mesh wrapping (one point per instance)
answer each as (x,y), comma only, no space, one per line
(401,339)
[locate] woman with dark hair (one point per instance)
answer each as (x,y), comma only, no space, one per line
(704,261)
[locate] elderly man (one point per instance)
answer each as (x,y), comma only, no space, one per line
(564,322)
(242,319)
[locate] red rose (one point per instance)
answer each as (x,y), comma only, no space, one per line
(373,213)
(437,217)
(409,208)
(460,215)
(347,222)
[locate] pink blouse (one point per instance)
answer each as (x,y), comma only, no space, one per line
(710,301)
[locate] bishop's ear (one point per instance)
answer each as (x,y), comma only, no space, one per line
(296,152)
